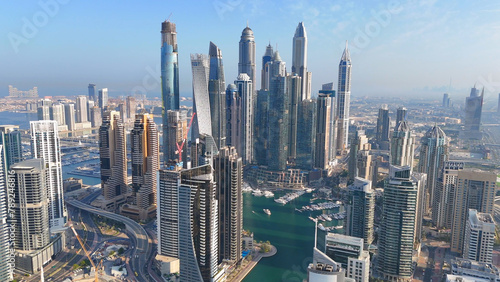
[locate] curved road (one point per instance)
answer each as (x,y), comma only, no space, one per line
(143,248)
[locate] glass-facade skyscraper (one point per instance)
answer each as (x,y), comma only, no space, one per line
(217,95)
(343,100)
(247,61)
(169,76)
(299,61)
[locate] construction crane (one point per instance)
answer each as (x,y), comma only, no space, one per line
(179,148)
(86,253)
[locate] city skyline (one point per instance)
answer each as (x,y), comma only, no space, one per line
(420,34)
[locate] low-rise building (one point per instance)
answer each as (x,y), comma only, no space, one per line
(470,268)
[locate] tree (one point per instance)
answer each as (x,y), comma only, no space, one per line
(120,251)
(112,253)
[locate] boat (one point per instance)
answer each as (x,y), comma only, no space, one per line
(257,193)
(267,211)
(268,194)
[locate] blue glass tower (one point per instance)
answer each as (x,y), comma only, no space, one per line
(169,75)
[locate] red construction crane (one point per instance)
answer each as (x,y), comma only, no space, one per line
(179,148)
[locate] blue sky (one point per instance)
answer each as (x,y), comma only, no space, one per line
(397,47)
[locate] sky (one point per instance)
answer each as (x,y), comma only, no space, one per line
(398,48)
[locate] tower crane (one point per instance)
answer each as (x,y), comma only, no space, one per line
(86,253)
(180,147)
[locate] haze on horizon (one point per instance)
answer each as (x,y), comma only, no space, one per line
(398,48)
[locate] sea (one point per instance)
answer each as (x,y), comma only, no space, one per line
(290,231)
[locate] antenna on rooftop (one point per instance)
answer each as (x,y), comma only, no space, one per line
(169,17)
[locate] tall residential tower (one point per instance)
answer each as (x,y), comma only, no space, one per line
(299,61)
(343,100)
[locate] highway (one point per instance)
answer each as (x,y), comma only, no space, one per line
(143,247)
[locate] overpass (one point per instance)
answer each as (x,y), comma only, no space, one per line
(143,248)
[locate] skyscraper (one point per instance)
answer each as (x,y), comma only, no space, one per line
(217,95)
(261,127)
(246,63)
(293,89)
(90,105)
(383,128)
(479,236)
(169,76)
(176,132)
(228,172)
(278,115)
(343,100)
(5,267)
(10,139)
(446,187)
(69,112)
(475,190)
(81,109)
(299,61)
(187,221)
(402,145)
(43,112)
(103,98)
(446,100)
(145,154)
(433,154)
(113,155)
(131,107)
(360,210)
(327,88)
(401,115)
(31,205)
(92,93)
(202,123)
(399,214)
(473,111)
(323,131)
(45,145)
(95,116)
(245,114)
(57,114)
(268,56)
(306,130)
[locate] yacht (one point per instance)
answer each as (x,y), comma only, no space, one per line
(267,211)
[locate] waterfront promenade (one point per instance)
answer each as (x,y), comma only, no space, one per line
(255,259)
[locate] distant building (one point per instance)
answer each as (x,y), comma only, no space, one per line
(131,107)
(69,112)
(43,112)
(103,98)
(95,116)
(383,128)
(92,93)
(360,210)
(15,93)
(57,113)
(498,107)
(81,109)
(475,190)
(446,100)
(473,111)
(72,184)
(145,159)
(479,237)
(401,115)
(113,157)
(46,145)
(268,56)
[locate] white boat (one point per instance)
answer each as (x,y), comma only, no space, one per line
(268,194)
(257,193)
(267,211)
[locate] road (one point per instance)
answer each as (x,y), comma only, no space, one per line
(143,249)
